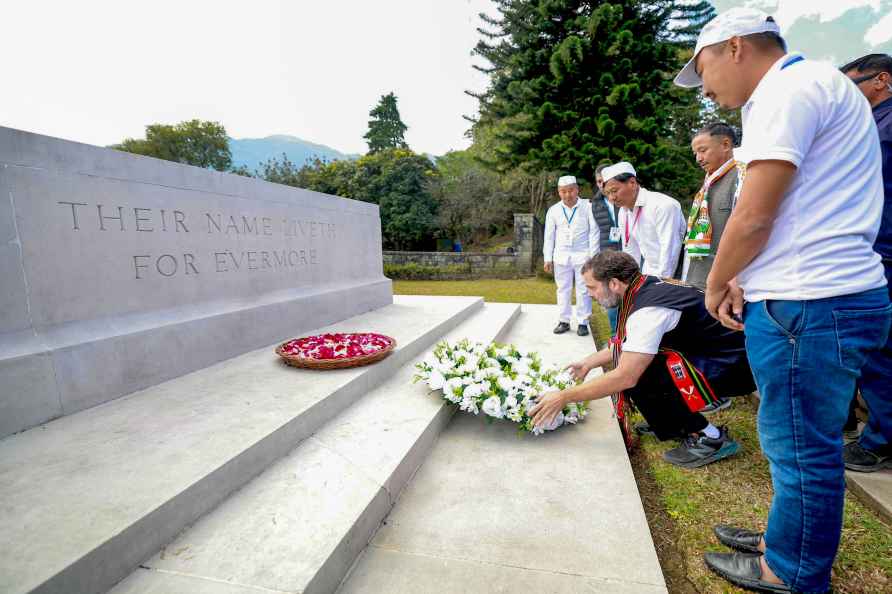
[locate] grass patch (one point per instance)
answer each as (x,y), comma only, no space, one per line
(521,290)
(683,505)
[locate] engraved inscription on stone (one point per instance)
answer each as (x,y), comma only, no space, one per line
(289,244)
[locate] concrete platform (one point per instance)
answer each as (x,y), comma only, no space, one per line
(84,499)
(299,526)
(491,511)
(874,489)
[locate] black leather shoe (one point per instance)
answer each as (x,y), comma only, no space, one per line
(743,570)
(582,330)
(561,327)
(739,538)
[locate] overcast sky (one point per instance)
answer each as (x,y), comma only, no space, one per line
(99,71)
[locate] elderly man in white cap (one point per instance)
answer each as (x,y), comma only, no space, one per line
(571,238)
(798,248)
(651,224)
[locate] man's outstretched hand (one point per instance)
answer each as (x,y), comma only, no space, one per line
(578,370)
(547,408)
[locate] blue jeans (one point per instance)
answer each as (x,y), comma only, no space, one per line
(876,390)
(806,357)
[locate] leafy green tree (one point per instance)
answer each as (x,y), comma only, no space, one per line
(194,142)
(574,83)
(397,180)
(386,129)
(473,202)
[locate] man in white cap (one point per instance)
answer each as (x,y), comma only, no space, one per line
(571,238)
(798,247)
(651,224)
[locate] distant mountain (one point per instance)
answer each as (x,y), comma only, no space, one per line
(251,151)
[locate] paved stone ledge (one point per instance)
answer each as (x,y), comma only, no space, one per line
(491,511)
(88,497)
(299,526)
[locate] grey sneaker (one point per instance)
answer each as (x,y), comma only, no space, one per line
(561,328)
(700,450)
(721,404)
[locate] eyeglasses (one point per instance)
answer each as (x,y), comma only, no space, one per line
(866,77)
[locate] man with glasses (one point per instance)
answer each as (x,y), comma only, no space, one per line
(799,249)
(873,76)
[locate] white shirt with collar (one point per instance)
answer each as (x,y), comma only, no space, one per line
(821,243)
(571,234)
(653,230)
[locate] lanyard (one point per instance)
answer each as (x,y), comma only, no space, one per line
(570,218)
(635,224)
(792,61)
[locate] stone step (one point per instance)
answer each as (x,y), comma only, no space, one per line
(300,525)
(874,489)
(491,511)
(85,498)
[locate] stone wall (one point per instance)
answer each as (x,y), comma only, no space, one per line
(122,271)
(457,265)
(524,261)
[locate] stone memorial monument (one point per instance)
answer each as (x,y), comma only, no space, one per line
(121,271)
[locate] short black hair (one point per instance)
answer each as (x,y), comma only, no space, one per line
(768,40)
(611,264)
(719,129)
(870,63)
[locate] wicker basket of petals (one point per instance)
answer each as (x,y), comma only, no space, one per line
(336,351)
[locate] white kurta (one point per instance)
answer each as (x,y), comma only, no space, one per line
(653,231)
(571,237)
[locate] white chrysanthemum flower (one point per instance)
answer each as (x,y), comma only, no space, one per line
(522,366)
(493,407)
(452,389)
(431,360)
(473,391)
(436,380)
(491,363)
(505,383)
(469,405)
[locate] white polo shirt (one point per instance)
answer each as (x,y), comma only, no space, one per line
(821,244)
(571,234)
(653,231)
(646,326)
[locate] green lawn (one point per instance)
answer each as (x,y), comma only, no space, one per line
(524,290)
(683,505)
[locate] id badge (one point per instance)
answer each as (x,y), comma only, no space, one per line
(614,234)
(568,236)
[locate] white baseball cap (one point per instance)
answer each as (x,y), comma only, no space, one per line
(608,173)
(566,180)
(735,22)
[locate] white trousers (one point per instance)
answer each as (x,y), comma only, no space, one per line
(564,275)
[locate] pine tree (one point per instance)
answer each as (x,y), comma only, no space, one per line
(386,129)
(688,18)
(574,83)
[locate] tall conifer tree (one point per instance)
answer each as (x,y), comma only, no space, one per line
(386,129)
(574,83)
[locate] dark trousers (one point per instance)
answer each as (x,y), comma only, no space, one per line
(659,402)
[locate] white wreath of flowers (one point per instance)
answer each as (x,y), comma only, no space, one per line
(499,380)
